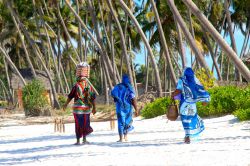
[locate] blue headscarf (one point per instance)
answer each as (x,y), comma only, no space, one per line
(126,81)
(193,90)
(123,93)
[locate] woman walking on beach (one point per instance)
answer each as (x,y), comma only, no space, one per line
(124,97)
(84,100)
(190,91)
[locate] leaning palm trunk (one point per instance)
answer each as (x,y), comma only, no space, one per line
(230,29)
(71,58)
(244,48)
(217,45)
(5,91)
(130,14)
(35,49)
(188,35)
(24,48)
(163,42)
(210,28)
(8,81)
(12,65)
(180,42)
(67,33)
(123,44)
(212,54)
(79,32)
(92,37)
(99,38)
(53,58)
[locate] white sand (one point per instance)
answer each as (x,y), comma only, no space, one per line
(225,141)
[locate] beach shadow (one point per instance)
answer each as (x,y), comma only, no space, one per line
(36,149)
(30,159)
(37,139)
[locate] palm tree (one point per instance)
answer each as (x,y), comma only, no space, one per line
(37,53)
(123,44)
(187,34)
(163,42)
(217,37)
(130,14)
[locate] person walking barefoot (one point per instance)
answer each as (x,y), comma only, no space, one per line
(124,98)
(190,91)
(84,100)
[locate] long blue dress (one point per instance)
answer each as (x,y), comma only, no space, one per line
(192,92)
(123,94)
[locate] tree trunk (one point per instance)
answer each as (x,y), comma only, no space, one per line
(212,54)
(180,43)
(210,28)
(12,65)
(230,29)
(92,38)
(25,49)
(11,97)
(67,33)
(123,44)
(33,46)
(79,33)
(188,35)
(133,19)
(112,48)
(163,42)
(53,58)
(217,45)
(99,38)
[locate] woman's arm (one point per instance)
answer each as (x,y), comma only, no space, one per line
(93,107)
(134,103)
(66,104)
(175,93)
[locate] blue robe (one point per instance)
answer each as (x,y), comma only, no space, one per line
(123,95)
(191,92)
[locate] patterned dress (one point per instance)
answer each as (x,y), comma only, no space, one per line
(83,100)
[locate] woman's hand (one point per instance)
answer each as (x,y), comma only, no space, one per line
(64,107)
(204,103)
(93,111)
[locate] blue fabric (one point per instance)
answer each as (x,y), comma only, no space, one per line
(193,125)
(192,92)
(125,122)
(123,94)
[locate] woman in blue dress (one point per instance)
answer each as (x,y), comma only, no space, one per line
(124,97)
(190,91)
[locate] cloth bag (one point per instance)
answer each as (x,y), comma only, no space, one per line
(172,112)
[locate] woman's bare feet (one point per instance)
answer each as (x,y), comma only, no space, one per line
(187,140)
(77,142)
(126,137)
(84,141)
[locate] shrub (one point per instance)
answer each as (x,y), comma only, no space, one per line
(62,100)
(156,108)
(34,101)
(225,100)
(3,103)
(242,114)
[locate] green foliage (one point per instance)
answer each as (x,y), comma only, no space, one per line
(3,103)
(242,114)
(225,100)
(34,101)
(156,108)
(206,81)
(62,100)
